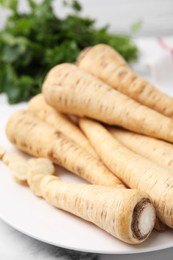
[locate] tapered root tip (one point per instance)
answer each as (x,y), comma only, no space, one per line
(143,219)
(82,55)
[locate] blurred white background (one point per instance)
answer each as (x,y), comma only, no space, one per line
(156,15)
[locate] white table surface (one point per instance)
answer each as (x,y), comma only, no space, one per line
(15,245)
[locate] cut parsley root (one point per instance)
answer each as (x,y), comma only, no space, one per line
(39,139)
(126,214)
(17,166)
(19,170)
(10,157)
(20,167)
(70,90)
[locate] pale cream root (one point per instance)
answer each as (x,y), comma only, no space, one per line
(10,157)
(35,137)
(38,167)
(134,170)
(105,63)
(30,136)
(22,169)
(34,178)
(19,167)
(19,171)
(120,212)
(70,90)
(60,122)
(156,150)
(42,165)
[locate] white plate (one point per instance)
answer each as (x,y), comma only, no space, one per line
(34,217)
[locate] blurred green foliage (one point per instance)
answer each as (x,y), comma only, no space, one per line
(31,43)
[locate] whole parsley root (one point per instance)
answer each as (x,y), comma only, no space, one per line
(134,170)
(35,137)
(105,63)
(71,90)
(127,214)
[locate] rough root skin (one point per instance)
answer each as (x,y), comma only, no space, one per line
(105,63)
(70,90)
